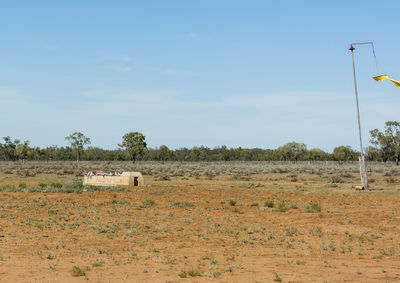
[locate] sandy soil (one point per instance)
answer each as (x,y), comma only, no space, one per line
(189,229)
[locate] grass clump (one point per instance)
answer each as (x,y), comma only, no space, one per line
(77,271)
(56,185)
(22,185)
(313,207)
(73,186)
(183,204)
(269,204)
(232,202)
(182,274)
(291,231)
(8,188)
(148,203)
(193,272)
(130,232)
(282,207)
(277,278)
(387,252)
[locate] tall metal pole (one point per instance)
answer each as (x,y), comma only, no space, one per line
(355,90)
(363,171)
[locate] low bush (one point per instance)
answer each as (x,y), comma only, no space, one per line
(269,204)
(148,203)
(77,271)
(22,185)
(232,202)
(313,207)
(183,204)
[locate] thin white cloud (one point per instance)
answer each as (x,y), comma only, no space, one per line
(119,63)
(9,96)
(115,58)
(191,36)
(174,72)
(125,58)
(120,68)
(322,120)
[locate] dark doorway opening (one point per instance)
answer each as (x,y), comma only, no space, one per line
(135,181)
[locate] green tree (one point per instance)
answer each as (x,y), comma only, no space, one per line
(10,148)
(197,154)
(316,154)
(270,155)
(134,143)
(22,150)
(165,153)
(344,153)
(292,151)
(388,141)
(78,141)
(373,153)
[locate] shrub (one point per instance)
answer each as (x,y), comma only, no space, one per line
(313,207)
(210,175)
(148,203)
(291,231)
(336,179)
(194,272)
(282,207)
(232,202)
(75,185)
(387,252)
(162,177)
(77,271)
(22,185)
(56,185)
(390,180)
(182,274)
(183,204)
(277,278)
(269,203)
(7,188)
(130,232)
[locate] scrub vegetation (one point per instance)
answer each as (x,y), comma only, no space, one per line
(385,147)
(209,221)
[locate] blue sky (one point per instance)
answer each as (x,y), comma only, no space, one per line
(191,73)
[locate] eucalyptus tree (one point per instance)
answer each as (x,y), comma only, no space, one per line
(388,141)
(78,141)
(134,144)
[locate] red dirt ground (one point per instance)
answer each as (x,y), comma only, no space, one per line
(203,230)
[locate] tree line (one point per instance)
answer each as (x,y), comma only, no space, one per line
(385,147)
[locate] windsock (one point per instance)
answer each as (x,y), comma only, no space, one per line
(385,77)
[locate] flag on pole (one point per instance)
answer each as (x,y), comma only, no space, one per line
(385,77)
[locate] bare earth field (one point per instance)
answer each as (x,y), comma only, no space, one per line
(202,222)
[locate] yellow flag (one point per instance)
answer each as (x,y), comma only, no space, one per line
(380,78)
(385,77)
(397,83)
